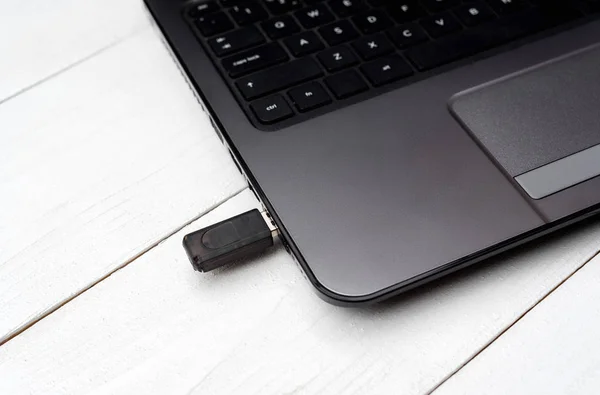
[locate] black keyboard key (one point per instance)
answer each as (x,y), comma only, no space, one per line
(231,3)
(343,8)
(474,14)
(314,16)
(280,27)
(303,44)
(531,21)
(407,35)
(559,10)
(406,11)
(434,54)
(338,32)
(247,13)
(214,23)
(507,6)
(278,78)
(309,96)
(254,59)
(271,109)
(439,5)
(371,47)
(346,84)
(200,9)
(236,40)
(387,69)
(282,6)
(440,24)
(337,58)
(372,21)
(494,33)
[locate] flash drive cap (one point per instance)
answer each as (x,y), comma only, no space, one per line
(227,241)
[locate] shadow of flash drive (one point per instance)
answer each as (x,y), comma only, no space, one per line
(230,240)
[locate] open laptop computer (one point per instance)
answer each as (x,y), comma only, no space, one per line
(395,141)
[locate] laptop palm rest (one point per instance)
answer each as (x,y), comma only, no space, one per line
(542,125)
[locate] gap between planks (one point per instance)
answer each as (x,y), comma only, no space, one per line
(73,65)
(126,263)
(522,316)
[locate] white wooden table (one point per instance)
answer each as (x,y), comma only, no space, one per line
(106,162)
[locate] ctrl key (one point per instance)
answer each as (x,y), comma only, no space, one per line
(271,109)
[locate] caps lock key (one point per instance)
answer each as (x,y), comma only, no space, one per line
(254,59)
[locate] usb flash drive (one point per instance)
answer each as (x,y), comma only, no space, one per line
(235,238)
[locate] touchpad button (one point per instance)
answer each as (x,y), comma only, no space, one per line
(541,125)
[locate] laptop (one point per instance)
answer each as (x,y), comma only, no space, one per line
(396,141)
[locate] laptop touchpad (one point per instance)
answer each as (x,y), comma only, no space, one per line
(541,125)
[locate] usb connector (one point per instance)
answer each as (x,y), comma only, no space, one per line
(270,223)
(230,240)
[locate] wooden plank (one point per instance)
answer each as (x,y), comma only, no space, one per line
(97,165)
(554,349)
(158,327)
(42,37)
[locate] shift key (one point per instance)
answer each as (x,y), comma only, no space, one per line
(278,78)
(254,59)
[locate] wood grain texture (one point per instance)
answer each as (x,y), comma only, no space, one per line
(555,349)
(158,327)
(41,38)
(97,165)
(108,154)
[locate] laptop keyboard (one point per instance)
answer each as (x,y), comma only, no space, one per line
(289,60)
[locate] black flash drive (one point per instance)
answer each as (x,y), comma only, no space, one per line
(235,238)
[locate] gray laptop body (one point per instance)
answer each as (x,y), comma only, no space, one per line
(402,183)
